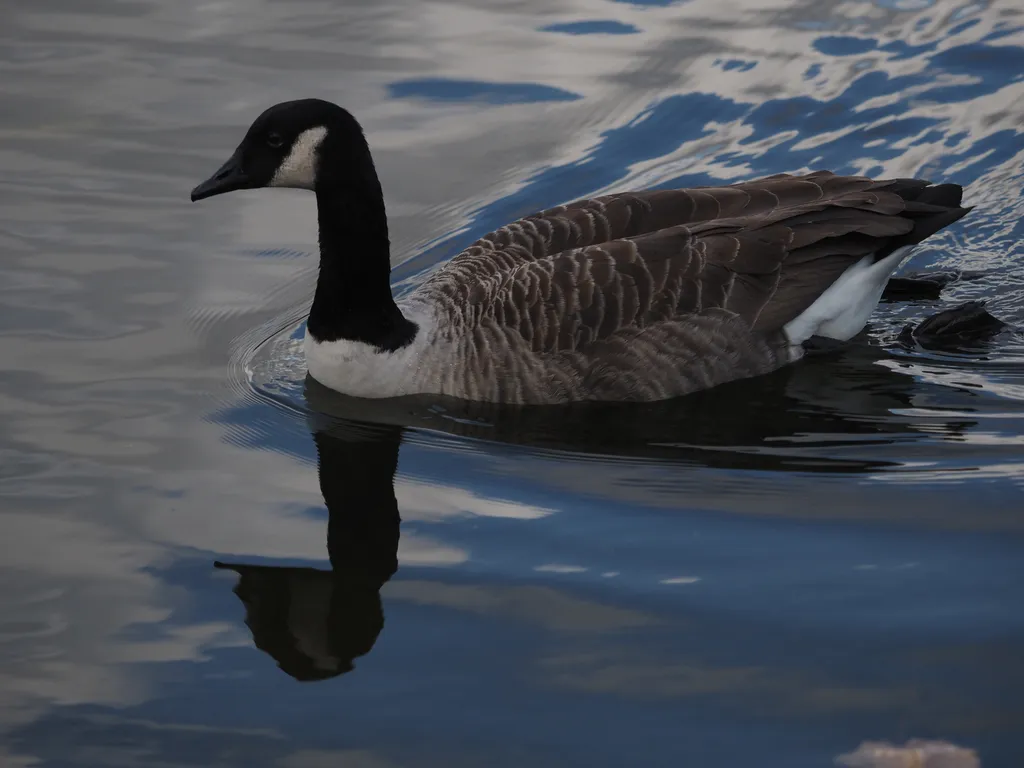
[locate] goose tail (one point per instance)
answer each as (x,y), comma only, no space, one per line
(843,309)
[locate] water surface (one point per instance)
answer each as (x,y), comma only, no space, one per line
(209,560)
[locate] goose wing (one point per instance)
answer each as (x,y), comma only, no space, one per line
(762,251)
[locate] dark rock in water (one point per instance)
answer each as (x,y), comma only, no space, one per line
(963,326)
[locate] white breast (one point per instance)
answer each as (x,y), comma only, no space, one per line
(361,370)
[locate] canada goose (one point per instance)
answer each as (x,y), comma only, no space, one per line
(636,296)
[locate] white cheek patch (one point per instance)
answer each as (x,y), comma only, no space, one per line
(299,168)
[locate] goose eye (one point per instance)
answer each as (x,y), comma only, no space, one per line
(275,140)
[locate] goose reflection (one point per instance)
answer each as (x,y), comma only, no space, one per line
(315,622)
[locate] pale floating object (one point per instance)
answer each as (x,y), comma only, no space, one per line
(916,753)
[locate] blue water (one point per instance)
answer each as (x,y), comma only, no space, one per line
(211,561)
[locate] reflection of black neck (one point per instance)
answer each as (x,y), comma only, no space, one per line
(314,623)
(357,482)
(353,291)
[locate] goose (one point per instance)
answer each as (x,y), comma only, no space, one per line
(634,296)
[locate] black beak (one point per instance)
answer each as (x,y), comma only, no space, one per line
(228,178)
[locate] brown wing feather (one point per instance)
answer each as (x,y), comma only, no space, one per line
(569,276)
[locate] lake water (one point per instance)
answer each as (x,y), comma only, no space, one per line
(772,574)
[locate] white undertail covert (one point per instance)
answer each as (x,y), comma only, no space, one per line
(842,311)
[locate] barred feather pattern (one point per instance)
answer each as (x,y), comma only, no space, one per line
(645,296)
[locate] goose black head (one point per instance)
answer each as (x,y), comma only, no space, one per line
(285,147)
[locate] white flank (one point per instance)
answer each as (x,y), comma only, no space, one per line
(298,170)
(361,370)
(842,311)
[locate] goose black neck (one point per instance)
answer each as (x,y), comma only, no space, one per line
(353,298)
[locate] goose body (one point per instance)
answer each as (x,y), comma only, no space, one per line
(636,296)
